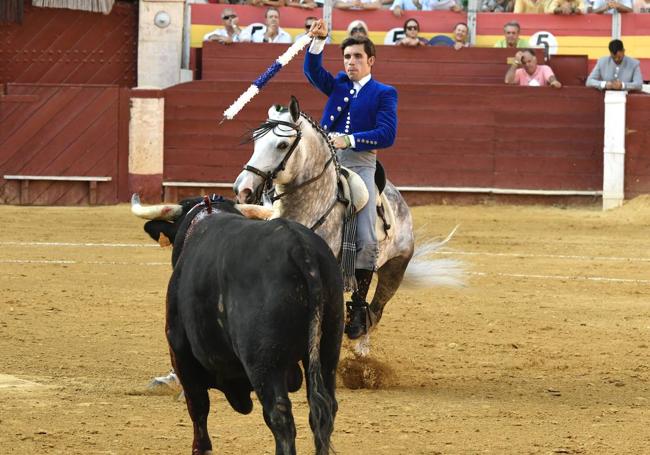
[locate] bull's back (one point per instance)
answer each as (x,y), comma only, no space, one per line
(243,290)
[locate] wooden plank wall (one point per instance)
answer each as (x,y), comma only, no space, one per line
(440,65)
(69,130)
(56,45)
(449,135)
(637,146)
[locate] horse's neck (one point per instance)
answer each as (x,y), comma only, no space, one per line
(307,204)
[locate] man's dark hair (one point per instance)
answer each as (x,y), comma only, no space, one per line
(616,45)
(368,45)
(530,51)
(269,9)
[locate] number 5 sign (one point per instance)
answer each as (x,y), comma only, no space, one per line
(543,39)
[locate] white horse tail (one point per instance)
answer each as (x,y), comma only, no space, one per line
(424,272)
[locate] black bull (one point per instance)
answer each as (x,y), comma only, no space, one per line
(247,301)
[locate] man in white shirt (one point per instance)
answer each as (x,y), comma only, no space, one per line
(271,32)
(230,32)
(609,6)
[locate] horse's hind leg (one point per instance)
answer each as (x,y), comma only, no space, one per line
(389,278)
(274,396)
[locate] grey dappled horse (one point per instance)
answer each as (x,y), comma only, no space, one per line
(294,153)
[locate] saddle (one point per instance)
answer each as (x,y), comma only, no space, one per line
(355,191)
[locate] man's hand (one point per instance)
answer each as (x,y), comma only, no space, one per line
(614,85)
(555,84)
(518,56)
(318,29)
(339,142)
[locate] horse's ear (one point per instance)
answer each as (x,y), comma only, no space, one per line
(294,109)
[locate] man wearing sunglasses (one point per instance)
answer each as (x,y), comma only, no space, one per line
(308,23)
(230,32)
(361,117)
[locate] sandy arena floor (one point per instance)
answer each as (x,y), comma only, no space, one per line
(545,351)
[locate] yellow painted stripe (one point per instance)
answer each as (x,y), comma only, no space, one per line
(593,46)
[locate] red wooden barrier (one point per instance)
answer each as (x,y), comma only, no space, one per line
(449,135)
(71,130)
(244,61)
(637,146)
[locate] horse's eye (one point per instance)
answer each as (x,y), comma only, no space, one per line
(283,145)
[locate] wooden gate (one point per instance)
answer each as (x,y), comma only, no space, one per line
(75,134)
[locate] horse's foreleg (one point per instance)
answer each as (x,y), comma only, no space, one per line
(389,277)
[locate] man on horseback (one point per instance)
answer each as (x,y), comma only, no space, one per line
(361,117)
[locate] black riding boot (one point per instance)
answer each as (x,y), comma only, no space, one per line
(358,320)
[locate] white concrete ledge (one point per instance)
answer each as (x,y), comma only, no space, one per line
(428,189)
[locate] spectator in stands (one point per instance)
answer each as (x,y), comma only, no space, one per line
(609,6)
(525,71)
(566,7)
(411,38)
(530,6)
(358,4)
(441,5)
(230,32)
(497,6)
(511,36)
(304,4)
(461,35)
(357,29)
(308,23)
(275,3)
(405,5)
(616,72)
(642,6)
(271,32)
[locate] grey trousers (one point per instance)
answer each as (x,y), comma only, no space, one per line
(364,164)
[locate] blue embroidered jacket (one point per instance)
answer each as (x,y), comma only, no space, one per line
(371,117)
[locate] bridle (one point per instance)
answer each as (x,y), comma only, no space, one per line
(268,177)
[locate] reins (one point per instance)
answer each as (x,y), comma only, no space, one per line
(268,177)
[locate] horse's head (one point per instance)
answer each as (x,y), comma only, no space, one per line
(277,153)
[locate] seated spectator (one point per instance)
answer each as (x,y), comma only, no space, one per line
(308,22)
(304,4)
(411,38)
(357,29)
(566,7)
(530,6)
(230,32)
(270,33)
(358,4)
(511,36)
(616,72)
(405,5)
(642,6)
(441,5)
(497,6)
(609,6)
(461,35)
(525,71)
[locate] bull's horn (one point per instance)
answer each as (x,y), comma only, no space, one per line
(155,212)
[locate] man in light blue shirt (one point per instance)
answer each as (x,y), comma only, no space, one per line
(616,72)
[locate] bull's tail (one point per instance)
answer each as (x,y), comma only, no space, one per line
(321,402)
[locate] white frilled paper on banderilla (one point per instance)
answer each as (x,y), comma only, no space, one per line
(261,81)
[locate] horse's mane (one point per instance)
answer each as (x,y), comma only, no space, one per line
(269,125)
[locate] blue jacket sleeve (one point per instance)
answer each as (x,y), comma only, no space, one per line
(316,74)
(385,130)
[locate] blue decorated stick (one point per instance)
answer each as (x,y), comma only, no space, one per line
(265,77)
